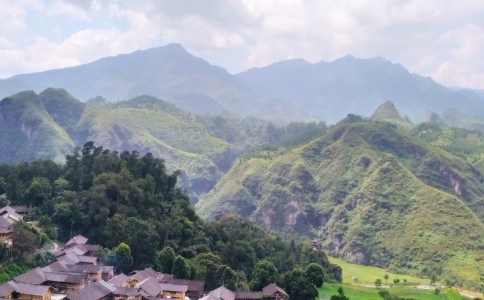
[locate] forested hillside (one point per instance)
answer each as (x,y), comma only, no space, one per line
(51,124)
(407,199)
(115,198)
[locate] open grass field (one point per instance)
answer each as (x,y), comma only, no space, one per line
(370,293)
(366,274)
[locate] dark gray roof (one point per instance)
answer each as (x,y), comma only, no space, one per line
(119,280)
(150,285)
(78,239)
(87,259)
(32,289)
(126,291)
(85,269)
(223,293)
(93,291)
(141,275)
(272,288)
(193,285)
(170,287)
(65,277)
(57,266)
(7,288)
(23,288)
(107,269)
(20,209)
(34,276)
(248,295)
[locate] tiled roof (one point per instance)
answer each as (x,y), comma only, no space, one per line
(248,295)
(170,287)
(93,291)
(119,280)
(85,269)
(141,275)
(23,288)
(7,288)
(272,288)
(34,276)
(87,259)
(223,293)
(126,291)
(193,285)
(150,285)
(32,289)
(107,269)
(78,239)
(65,277)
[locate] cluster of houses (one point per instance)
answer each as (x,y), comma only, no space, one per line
(8,216)
(77,274)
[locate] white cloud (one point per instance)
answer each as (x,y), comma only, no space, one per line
(444,39)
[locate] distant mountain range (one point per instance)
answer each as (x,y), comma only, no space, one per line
(330,90)
(291,90)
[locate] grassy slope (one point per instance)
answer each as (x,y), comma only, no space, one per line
(29,132)
(367,293)
(368,274)
(51,124)
(371,194)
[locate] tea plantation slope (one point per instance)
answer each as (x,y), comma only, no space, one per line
(370,194)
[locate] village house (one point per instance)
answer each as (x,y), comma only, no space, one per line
(223,293)
(99,290)
(8,217)
(195,287)
(17,290)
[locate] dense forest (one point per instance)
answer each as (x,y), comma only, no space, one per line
(128,203)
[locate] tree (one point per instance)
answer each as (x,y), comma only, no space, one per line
(315,274)
(298,286)
(264,274)
(384,294)
(164,259)
(378,283)
(181,268)
(433,278)
(3,251)
(124,258)
(24,241)
(340,296)
(386,278)
(228,278)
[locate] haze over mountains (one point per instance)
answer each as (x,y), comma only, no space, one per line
(300,90)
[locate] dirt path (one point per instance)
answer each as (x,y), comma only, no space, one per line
(468,294)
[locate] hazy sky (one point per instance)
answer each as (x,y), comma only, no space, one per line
(439,38)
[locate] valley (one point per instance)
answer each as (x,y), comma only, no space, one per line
(378,191)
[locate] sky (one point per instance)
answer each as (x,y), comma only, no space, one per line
(443,39)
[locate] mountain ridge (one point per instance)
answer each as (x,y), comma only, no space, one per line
(371,193)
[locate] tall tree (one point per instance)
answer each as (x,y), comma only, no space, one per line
(264,274)
(164,259)
(315,274)
(181,268)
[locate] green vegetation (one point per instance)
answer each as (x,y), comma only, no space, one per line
(368,274)
(131,206)
(388,113)
(400,292)
(50,125)
(369,192)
